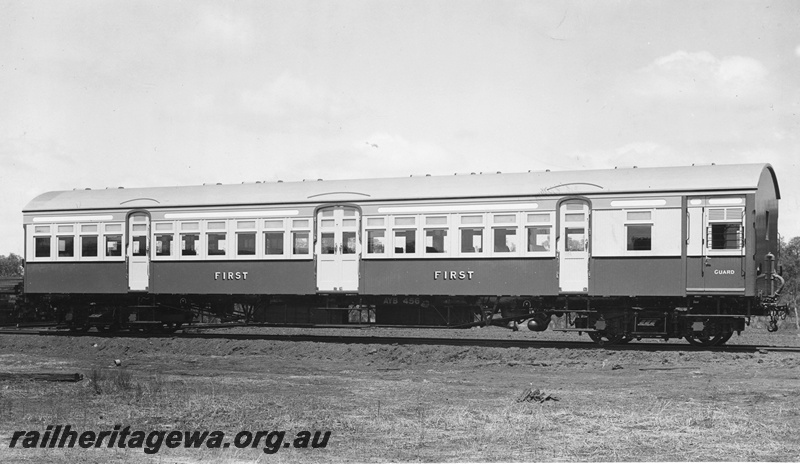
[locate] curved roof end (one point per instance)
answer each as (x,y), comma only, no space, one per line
(774,181)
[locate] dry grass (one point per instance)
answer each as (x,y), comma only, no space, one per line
(458,407)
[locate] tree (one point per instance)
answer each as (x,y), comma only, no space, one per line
(789,253)
(11,265)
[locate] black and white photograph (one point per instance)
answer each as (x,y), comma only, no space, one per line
(399,231)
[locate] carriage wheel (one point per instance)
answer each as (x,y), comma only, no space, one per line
(708,340)
(725,338)
(603,338)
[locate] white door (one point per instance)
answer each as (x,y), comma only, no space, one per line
(338,249)
(573,247)
(138,254)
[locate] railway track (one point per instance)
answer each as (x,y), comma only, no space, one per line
(406,340)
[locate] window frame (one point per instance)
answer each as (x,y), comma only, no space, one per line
(414,234)
(404,223)
(84,235)
(33,235)
(628,222)
(49,231)
(108,231)
(183,230)
(740,251)
(428,225)
(292,228)
(463,225)
(529,223)
(243,226)
(454,224)
(208,232)
(66,234)
(505,225)
(155,232)
(367,228)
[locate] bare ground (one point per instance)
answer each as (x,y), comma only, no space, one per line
(411,403)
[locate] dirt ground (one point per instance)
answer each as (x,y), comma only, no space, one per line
(389,402)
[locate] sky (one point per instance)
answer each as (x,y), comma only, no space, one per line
(97,94)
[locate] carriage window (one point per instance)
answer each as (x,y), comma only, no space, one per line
(639,230)
(725,229)
(189,244)
(89,246)
(376,241)
(139,246)
(539,217)
(505,218)
(405,241)
(538,239)
(639,237)
(246,243)
(300,243)
(575,239)
(164,245)
(436,241)
(113,245)
(348,242)
(405,221)
(216,244)
(327,244)
(725,236)
(505,240)
(42,246)
(471,240)
(66,247)
(273,243)
(639,215)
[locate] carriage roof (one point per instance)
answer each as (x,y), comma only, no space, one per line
(717,178)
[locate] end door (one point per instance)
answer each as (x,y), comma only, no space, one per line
(338,249)
(573,246)
(138,252)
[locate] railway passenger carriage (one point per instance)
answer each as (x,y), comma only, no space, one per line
(622,253)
